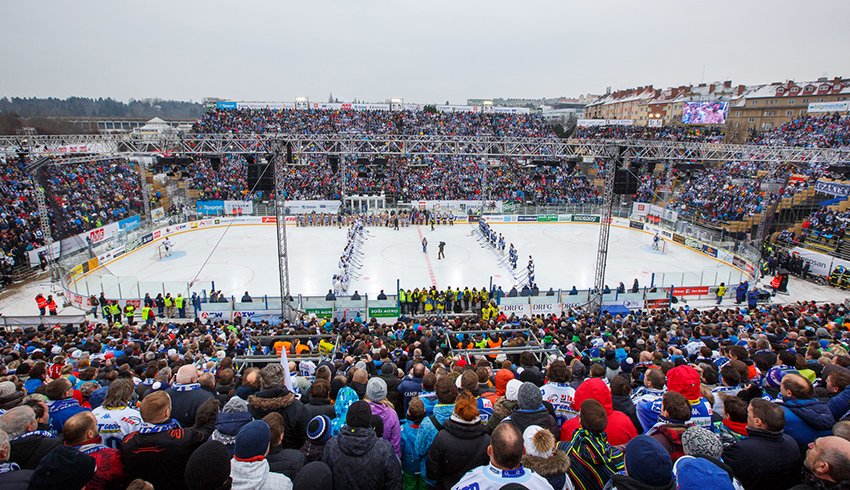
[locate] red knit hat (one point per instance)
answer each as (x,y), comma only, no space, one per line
(684,380)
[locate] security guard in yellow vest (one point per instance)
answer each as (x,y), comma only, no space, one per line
(116,312)
(130,313)
(147,316)
(180,304)
(107,312)
(169,305)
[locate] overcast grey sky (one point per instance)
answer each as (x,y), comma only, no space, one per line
(422,51)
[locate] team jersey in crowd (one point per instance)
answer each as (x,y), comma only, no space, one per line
(561,396)
(491,478)
(115,423)
(648,413)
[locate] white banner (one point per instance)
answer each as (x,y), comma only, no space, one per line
(654,123)
(158,213)
(238,207)
(640,209)
(545,305)
(307,207)
(586,123)
(829,106)
(518,306)
(820,264)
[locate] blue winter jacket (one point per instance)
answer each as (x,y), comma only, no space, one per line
(806,420)
(839,405)
(410,463)
(427,432)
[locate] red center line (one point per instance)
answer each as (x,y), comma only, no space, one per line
(427,259)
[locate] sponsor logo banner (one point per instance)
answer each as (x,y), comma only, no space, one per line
(472,219)
(587,218)
(709,250)
(657,303)
(546,309)
(565,218)
(526,218)
(547,218)
(209,207)
(384,312)
(268,219)
(635,224)
(837,189)
(691,291)
(320,312)
(678,238)
(739,262)
(519,310)
(693,243)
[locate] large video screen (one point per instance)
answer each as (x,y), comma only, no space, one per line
(704,113)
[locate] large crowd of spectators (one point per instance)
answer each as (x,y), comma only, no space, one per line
(827,131)
(687,134)
(753,398)
(19,221)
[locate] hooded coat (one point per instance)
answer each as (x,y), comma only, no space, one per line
(344,399)
(360,460)
(28,451)
(620,428)
(553,469)
(458,448)
(806,420)
(294,414)
(392,427)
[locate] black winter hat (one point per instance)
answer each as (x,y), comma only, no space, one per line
(209,467)
(359,415)
(314,476)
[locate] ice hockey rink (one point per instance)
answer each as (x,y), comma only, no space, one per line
(244,258)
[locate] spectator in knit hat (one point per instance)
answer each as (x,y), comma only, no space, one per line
(506,404)
(702,466)
(460,446)
(249,468)
(376,395)
(648,465)
(232,417)
(64,468)
(358,458)
(209,467)
(282,460)
(530,410)
(314,476)
(544,458)
(318,434)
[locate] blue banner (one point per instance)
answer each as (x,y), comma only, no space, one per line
(210,207)
(225,105)
(130,223)
(833,188)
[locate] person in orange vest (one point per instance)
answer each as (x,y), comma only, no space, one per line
(42,304)
(494,342)
(51,305)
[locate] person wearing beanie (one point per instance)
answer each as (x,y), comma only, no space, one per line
(318,434)
(232,417)
(531,411)
(358,458)
(460,446)
(701,467)
(389,373)
(648,466)
(159,450)
(81,434)
(275,397)
(376,396)
(249,468)
(209,467)
(314,476)
(544,458)
(592,459)
(64,468)
(411,465)
(446,395)
(620,428)
(685,380)
(506,404)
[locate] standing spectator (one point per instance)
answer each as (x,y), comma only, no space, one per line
(63,405)
(275,397)
(443,410)
(674,420)
(648,465)
(356,449)
(11,475)
(506,404)
(249,468)
(376,396)
(209,467)
(115,418)
(187,396)
(41,304)
(702,463)
(827,464)
(558,391)
(52,307)
(320,403)
(318,434)
(806,417)
(411,465)
(543,457)
(530,410)
(27,445)
(619,429)
(81,433)
(281,460)
(411,386)
(232,417)
(505,468)
(64,467)
(767,458)
(592,459)
(460,446)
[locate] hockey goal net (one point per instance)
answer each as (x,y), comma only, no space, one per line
(660,246)
(161,252)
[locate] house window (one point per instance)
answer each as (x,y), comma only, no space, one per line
(751,119)
(789,113)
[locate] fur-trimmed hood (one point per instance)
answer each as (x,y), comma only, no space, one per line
(556,464)
(271,400)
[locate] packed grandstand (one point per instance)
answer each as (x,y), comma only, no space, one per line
(454,392)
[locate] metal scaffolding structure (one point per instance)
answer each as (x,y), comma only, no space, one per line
(613,160)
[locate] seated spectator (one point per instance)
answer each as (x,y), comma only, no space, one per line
(249,469)
(505,468)
(281,460)
(11,475)
(543,457)
(187,395)
(357,448)
(648,465)
(81,433)
(619,429)
(827,464)
(159,450)
(460,446)
(28,444)
(806,417)
(767,458)
(675,419)
(530,410)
